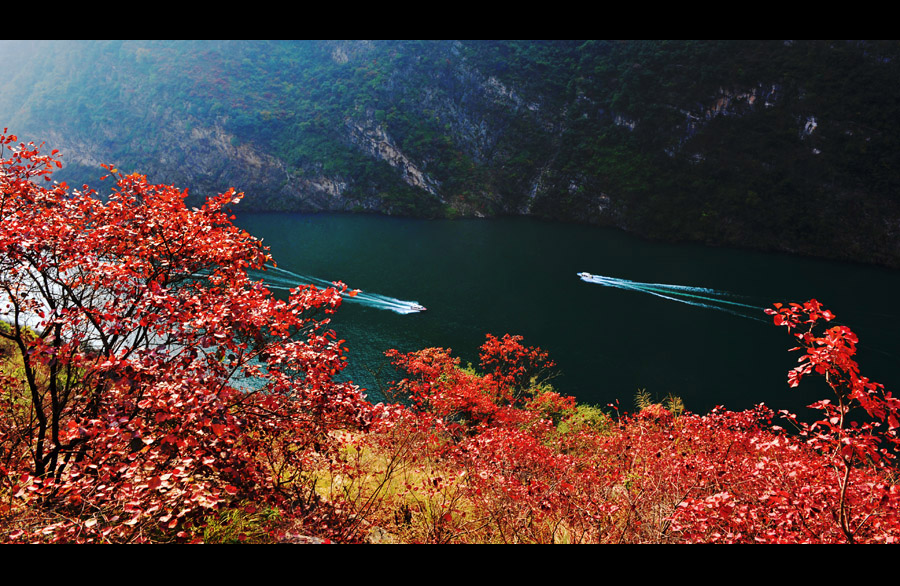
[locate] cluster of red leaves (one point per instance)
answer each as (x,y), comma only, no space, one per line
(857,432)
(436,383)
(523,471)
(734,478)
(136,323)
(492,478)
(512,368)
(512,378)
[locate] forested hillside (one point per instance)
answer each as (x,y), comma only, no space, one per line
(778,145)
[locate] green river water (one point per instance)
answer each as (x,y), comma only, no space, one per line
(668,318)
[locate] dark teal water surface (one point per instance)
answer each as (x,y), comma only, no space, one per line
(519,276)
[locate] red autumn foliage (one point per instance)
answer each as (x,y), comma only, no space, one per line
(137,327)
(657,477)
(857,434)
(512,368)
(438,385)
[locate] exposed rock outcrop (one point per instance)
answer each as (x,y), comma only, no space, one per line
(375,141)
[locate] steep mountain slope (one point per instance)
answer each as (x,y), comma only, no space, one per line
(775,145)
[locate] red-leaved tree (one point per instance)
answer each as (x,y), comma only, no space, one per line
(832,482)
(858,429)
(157,382)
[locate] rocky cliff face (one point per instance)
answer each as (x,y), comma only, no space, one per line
(375,142)
(773,145)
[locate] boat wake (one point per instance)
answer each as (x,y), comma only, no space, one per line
(696,296)
(283,279)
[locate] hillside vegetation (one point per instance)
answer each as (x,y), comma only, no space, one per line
(777,145)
